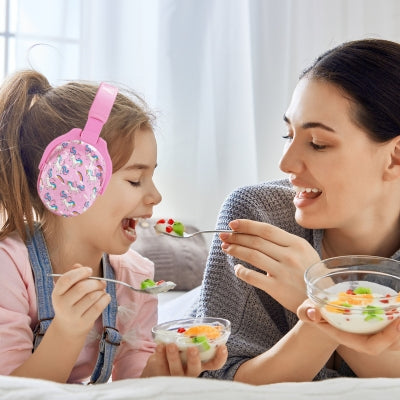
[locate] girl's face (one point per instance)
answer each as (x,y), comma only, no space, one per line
(335,168)
(109,224)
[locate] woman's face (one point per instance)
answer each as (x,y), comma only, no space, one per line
(336,169)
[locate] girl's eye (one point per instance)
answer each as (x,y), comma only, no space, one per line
(134,183)
(287,137)
(317,146)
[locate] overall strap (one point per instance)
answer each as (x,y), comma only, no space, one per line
(111,338)
(41,267)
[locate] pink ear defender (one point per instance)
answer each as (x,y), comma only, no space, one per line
(76,167)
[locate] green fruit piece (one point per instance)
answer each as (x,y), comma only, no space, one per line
(202,342)
(178,228)
(362,290)
(147,283)
(373,312)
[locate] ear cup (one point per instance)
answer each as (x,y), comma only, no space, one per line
(76,167)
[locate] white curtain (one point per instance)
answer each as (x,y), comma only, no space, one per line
(220,74)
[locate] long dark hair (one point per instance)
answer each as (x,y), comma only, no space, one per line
(368,73)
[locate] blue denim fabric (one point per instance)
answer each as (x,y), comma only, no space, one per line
(110,339)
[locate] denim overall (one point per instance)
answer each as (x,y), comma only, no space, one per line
(110,338)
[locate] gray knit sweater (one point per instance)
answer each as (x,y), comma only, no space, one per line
(258,321)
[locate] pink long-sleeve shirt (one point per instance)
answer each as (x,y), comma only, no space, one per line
(137,313)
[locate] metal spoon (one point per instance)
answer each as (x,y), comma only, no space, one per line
(189,235)
(161,288)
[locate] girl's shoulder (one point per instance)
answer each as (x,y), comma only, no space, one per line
(16,277)
(133,264)
(14,253)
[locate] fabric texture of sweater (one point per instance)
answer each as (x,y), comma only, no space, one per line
(258,321)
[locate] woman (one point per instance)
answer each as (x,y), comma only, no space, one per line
(342,196)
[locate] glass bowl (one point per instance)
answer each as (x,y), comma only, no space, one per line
(357,294)
(204,333)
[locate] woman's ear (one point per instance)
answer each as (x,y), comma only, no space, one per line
(392,170)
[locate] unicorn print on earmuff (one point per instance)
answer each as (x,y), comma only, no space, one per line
(76,167)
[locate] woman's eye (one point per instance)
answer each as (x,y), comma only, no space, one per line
(287,137)
(317,146)
(134,183)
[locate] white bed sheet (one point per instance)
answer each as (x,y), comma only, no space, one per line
(174,388)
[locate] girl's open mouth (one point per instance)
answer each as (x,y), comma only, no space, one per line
(128,225)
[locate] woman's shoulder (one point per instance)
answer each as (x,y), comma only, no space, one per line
(275,189)
(270,201)
(271,196)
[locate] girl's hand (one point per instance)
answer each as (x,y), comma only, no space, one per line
(281,257)
(374,344)
(166,361)
(78,301)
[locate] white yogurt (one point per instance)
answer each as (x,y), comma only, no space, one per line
(184,342)
(361,318)
(161,227)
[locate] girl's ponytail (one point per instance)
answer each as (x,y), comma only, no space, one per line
(17,96)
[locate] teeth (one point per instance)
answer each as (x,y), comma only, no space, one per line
(307,190)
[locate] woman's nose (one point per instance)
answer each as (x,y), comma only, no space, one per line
(290,161)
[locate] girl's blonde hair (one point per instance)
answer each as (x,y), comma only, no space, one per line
(32,114)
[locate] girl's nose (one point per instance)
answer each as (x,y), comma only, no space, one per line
(153,197)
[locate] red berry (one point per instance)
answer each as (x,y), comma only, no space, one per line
(160,282)
(384,301)
(168,229)
(171,221)
(181,330)
(349,291)
(161,221)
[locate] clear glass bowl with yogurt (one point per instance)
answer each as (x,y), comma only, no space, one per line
(357,293)
(205,333)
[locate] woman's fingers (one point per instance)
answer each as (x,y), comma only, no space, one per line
(373,344)
(268,247)
(261,229)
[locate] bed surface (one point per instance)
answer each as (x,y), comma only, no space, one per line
(173,388)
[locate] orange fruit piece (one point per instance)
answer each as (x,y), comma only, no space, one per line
(356,299)
(211,332)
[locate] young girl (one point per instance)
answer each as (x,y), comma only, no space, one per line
(342,196)
(71,191)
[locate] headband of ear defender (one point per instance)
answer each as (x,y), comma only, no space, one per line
(76,166)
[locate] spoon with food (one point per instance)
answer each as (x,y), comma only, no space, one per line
(176,229)
(146,286)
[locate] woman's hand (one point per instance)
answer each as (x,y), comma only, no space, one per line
(282,256)
(78,301)
(374,344)
(166,361)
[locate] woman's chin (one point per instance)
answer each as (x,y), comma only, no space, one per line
(308,222)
